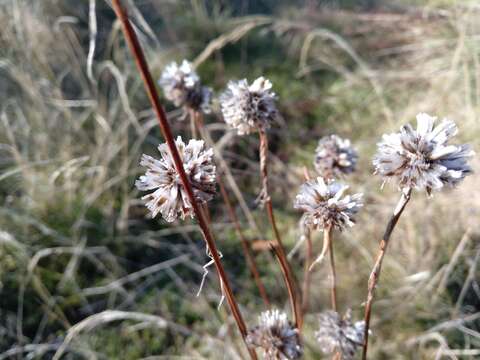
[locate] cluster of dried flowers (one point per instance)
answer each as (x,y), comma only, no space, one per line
(339,334)
(169,197)
(419,159)
(181,85)
(278,338)
(335,157)
(248,108)
(325,204)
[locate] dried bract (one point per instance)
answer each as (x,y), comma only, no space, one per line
(169,196)
(248,108)
(276,336)
(324,204)
(421,158)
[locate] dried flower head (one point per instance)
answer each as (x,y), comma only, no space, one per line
(169,196)
(337,334)
(324,204)
(182,86)
(276,336)
(335,156)
(421,158)
(249,107)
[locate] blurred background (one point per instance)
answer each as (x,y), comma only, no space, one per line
(85,271)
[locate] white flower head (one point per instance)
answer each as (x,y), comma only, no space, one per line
(339,334)
(169,196)
(181,85)
(335,156)
(248,108)
(278,338)
(421,158)
(325,204)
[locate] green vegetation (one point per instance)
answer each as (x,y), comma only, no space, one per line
(75,239)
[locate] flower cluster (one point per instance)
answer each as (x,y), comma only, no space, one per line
(324,204)
(182,86)
(335,156)
(276,336)
(337,334)
(169,196)
(421,158)
(248,108)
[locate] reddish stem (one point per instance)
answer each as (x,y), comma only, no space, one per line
(198,120)
(307,273)
(142,65)
(294,303)
(333,286)
(245,246)
(279,249)
(375,274)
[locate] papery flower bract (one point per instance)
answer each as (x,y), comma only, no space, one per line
(334,156)
(276,336)
(169,196)
(248,108)
(339,334)
(181,85)
(421,158)
(324,204)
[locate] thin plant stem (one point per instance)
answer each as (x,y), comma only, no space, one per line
(327,233)
(306,273)
(375,274)
(245,245)
(308,259)
(279,249)
(206,213)
(142,65)
(229,178)
(294,303)
(198,120)
(192,115)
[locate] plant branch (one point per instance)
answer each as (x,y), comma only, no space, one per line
(294,303)
(375,274)
(198,120)
(327,233)
(306,273)
(142,65)
(265,199)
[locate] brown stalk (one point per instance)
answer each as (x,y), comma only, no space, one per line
(193,129)
(308,259)
(306,273)
(142,65)
(279,249)
(198,120)
(230,180)
(327,233)
(375,274)
(245,245)
(294,303)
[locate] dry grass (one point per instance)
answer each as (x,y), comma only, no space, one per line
(76,250)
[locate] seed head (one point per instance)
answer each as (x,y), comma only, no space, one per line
(335,156)
(169,196)
(181,85)
(339,334)
(421,158)
(248,108)
(324,204)
(276,336)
